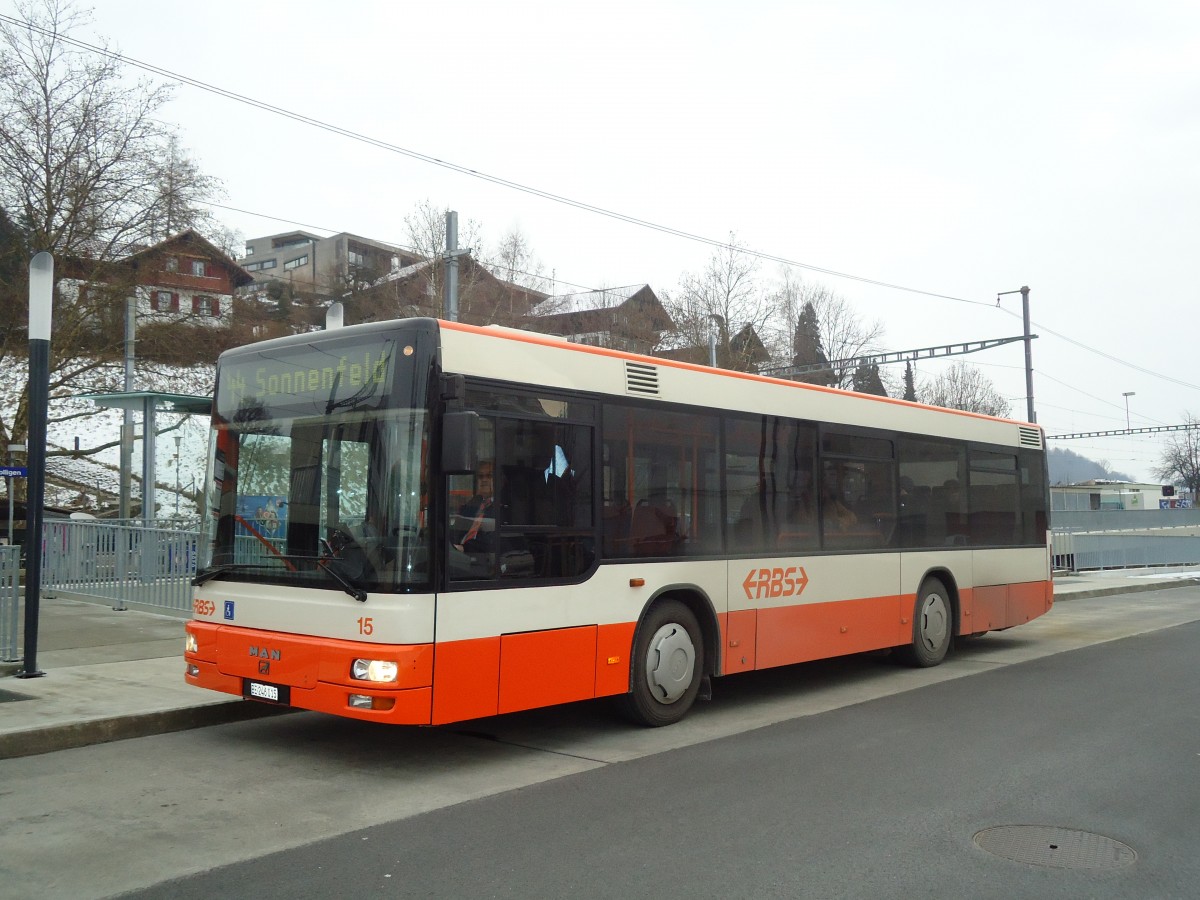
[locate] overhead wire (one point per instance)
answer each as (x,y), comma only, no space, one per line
(544,194)
(1109,356)
(475,173)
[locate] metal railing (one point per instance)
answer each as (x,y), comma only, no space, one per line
(10,599)
(1123,520)
(122,563)
(1119,539)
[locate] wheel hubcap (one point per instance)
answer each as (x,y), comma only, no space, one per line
(670,662)
(934,622)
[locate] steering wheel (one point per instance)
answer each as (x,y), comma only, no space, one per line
(339,539)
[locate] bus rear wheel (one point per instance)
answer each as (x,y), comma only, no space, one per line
(668,664)
(933,625)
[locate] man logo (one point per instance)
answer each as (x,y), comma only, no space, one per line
(264,667)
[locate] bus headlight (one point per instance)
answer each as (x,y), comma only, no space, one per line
(375,670)
(189,643)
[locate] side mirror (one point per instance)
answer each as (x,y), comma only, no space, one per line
(459,443)
(453,387)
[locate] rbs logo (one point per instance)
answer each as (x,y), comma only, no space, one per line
(772,583)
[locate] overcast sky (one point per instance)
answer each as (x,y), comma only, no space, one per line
(963,149)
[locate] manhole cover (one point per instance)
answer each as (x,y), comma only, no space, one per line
(1057,848)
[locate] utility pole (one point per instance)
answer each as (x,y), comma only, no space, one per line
(178,442)
(1028,353)
(452,265)
(1028,338)
(126,461)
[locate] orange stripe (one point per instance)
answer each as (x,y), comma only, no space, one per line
(989,609)
(408,707)
(542,668)
(466,677)
(303,660)
(614,649)
(486,676)
(1028,601)
(740,627)
(792,634)
(994,607)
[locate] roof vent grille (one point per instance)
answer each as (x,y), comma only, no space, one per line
(641,379)
(1031,437)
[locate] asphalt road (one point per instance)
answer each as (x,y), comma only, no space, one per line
(879,799)
(850,778)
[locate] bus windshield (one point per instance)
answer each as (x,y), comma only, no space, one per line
(318,468)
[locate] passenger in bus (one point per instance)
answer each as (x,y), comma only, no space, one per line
(836,515)
(802,506)
(955,514)
(479,513)
(798,522)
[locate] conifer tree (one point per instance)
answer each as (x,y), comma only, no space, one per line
(910,387)
(807,349)
(867,381)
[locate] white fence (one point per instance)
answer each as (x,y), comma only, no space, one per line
(1118,539)
(10,584)
(125,564)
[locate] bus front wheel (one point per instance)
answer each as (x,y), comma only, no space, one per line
(933,624)
(668,664)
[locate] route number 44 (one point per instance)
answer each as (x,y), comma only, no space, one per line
(366,625)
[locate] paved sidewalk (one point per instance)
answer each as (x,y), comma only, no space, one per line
(114,675)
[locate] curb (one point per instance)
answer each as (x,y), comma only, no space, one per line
(118,728)
(1125,589)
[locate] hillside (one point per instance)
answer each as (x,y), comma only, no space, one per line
(1068,467)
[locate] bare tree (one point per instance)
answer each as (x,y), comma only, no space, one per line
(727,299)
(83,174)
(844,334)
(965,387)
(181,190)
(426,232)
(81,148)
(1180,459)
(513,260)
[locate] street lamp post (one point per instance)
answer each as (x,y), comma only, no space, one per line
(178,441)
(1127,395)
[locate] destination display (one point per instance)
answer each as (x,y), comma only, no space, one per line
(322,379)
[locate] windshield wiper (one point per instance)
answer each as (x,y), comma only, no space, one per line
(217,571)
(327,565)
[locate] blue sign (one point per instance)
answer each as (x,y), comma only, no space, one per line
(229,610)
(14,472)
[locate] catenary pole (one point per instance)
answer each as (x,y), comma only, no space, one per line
(126,458)
(1028,355)
(41,294)
(1028,339)
(452,265)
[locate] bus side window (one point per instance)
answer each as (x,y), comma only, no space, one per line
(543,526)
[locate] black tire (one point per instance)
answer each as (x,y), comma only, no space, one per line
(668,666)
(933,626)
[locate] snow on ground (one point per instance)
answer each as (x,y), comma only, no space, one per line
(91,482)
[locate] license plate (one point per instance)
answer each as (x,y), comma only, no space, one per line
(265,692)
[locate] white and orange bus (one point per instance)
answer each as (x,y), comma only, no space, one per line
(652,525)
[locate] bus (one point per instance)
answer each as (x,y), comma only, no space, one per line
(648,526)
